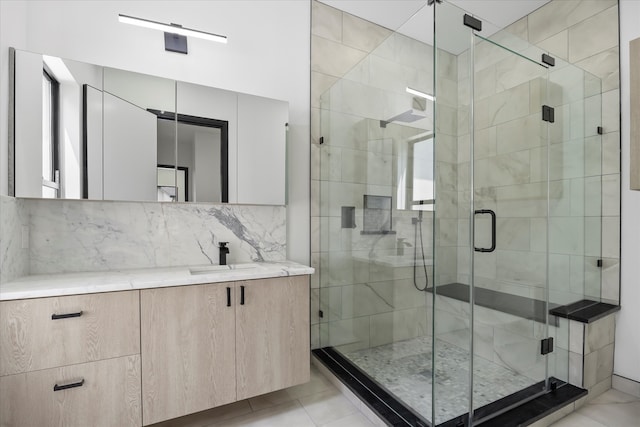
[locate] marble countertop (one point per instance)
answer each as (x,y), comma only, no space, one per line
(50,285)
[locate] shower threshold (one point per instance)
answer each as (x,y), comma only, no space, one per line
(400,389)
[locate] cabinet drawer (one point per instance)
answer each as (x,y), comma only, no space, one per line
(50,332)
(104,393)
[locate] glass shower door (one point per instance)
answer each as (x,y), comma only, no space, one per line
(375,219)
(510,204)
(491,314)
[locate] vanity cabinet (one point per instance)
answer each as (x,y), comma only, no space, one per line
(188,339)
(272,335)
(70,361)
(132,358)
(209,345)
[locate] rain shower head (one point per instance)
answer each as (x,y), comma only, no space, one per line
(408,116)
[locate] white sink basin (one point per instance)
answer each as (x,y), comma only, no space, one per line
(210,269)
(243,266)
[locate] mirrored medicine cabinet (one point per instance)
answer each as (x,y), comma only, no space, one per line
(83,131)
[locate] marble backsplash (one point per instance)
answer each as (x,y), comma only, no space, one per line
(14,260)
(73,236)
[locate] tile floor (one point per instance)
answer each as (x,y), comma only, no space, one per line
(319,403)
(613,408)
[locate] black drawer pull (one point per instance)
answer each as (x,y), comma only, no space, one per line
(66,315)
(57,387)
(228,297)
(241,295)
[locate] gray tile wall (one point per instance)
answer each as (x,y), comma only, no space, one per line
(14,221)
(585,33)
(357,81)
(591,354)
(510,158)
(510,155)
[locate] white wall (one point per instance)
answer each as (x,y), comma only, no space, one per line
(267,55)
(627,350)
(206,175)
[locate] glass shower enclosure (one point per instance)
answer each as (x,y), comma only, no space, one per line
(459,203)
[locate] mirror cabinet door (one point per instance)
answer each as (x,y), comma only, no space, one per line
(207,135)
(57,107)
(139,144)
(261,168)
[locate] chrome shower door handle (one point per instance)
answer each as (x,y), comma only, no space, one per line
(493,229)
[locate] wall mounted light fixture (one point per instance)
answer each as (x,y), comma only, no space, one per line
(175,36)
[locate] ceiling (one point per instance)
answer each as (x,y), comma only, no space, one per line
(413,18)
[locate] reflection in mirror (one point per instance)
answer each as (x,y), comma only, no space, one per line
(172,184)
(202,155)
(49,108)
(130,136)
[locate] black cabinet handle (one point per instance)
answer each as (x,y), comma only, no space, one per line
(228,297)
(493,230)
(241,295)
(66,315)
(57,387)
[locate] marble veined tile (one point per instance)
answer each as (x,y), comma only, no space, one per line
(289,413)
(559,15)
(71,236)
(14,260)
(326,21)
(577,420)
(584,42)
(327,406)
(613,408)
(353,420)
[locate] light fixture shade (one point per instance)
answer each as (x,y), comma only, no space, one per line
(146,23)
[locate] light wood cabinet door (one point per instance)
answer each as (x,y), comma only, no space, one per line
(44,333)
(272,342)
(188,350)
(106,393)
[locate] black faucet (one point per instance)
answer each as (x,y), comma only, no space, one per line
(224,250)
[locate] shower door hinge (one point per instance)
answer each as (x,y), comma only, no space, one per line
(321,140)
(320,314)
(548,59)
(600,130)
(548,114)
(546,346)
(472,22)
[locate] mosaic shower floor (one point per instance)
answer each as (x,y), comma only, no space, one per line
(404,368)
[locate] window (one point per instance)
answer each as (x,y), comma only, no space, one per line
(50,166)
(423,188)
